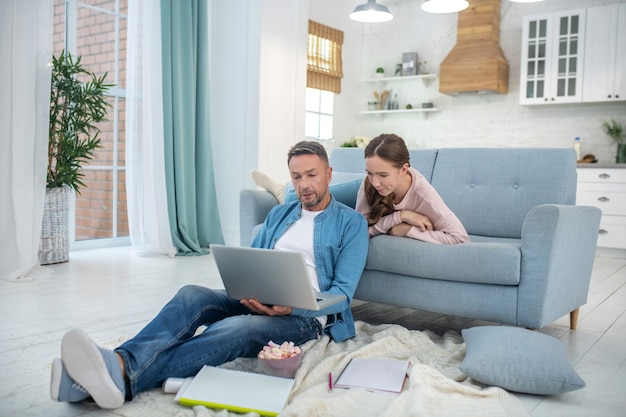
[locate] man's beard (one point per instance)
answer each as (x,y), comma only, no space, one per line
(315,202)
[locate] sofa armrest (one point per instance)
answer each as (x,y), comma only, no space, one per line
(558,250)
(254,205)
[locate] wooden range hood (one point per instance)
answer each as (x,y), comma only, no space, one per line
(476,63)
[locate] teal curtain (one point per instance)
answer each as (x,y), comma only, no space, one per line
(191,196)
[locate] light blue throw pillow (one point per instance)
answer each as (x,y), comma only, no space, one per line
(518,360)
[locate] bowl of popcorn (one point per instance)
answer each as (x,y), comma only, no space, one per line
(280,360)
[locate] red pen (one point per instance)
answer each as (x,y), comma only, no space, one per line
(330,382)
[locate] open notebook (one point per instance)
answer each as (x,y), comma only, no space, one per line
(374,374)
(238,391)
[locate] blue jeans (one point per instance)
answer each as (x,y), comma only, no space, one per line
(167,347)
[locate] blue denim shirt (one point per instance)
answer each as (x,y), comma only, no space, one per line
(340,243)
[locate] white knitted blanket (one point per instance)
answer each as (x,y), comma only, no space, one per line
(436,386)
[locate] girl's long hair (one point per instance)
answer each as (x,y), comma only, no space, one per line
(391,148)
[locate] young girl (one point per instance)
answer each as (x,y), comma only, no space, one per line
(397,200)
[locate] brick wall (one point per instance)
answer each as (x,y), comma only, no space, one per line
(95,33)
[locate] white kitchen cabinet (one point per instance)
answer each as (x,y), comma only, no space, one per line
(552,52)
(605,188)
(605,54)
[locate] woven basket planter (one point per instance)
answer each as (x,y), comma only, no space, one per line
(54,246)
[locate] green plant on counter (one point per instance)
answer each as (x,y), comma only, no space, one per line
(380,70)
(617,132)
(614,130)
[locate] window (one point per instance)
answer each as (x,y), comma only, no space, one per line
(324,73)
(318,116)
(96,30)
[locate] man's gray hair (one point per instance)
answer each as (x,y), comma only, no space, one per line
(308,148)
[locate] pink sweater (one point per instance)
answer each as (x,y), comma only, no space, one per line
(424,199)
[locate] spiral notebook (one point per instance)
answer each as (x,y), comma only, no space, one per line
(238,391)
(374,374)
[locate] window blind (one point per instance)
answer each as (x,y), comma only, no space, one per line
(324,65)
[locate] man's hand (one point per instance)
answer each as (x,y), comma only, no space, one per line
(416,219)
(259,308)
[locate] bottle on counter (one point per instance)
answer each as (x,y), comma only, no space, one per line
(577,148)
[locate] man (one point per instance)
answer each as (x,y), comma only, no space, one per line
(333,238)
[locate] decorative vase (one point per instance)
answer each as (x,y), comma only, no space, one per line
(54,241)
(620,157)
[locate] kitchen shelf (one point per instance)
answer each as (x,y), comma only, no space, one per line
(399,111)
(425,78)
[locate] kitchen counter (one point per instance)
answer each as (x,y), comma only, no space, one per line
(600,165)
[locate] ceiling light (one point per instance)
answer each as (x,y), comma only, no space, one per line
(444,6)
(371,13)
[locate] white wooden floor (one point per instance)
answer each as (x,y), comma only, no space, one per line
(111,294)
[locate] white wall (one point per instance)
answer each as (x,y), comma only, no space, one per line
(257,82)
(487,120)
(282,83)
(234,103)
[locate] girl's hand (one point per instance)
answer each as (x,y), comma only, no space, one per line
(400,229)
(416,219)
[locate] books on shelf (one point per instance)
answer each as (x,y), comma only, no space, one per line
(374,374)
(238,391)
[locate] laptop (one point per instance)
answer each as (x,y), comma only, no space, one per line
(272,277)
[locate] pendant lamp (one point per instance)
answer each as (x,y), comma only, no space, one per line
(444,6)
(371,12)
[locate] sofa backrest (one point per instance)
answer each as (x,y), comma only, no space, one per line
(492,189)
(349,161)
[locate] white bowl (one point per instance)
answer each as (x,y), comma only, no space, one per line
(282,367)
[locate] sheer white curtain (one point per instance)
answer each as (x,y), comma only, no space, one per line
(26,51)
(145,163)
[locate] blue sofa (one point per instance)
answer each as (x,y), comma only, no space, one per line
(531,252)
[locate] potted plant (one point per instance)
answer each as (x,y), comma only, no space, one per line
(617,132)
(380,72)
(76,106)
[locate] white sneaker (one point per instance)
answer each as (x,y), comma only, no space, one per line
(62,387)
(95,369)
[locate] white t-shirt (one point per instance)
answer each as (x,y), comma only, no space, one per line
(299,238)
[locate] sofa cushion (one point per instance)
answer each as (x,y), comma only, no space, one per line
(478,262)
(343,177)
(518,360)
(353,160)
(491,191)
(424,161)
(346,192)
(347,160)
